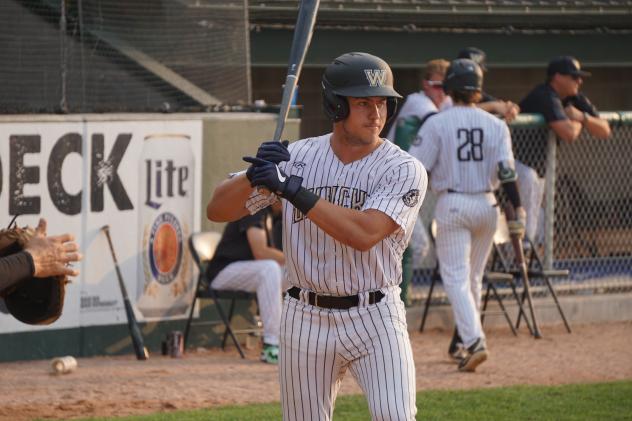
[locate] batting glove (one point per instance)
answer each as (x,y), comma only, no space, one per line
(274,152)
(269,175)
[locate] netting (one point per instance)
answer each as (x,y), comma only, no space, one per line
(123,55)
(592,210)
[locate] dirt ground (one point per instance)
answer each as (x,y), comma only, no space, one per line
(117,386)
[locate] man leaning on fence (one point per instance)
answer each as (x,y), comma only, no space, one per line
(567,112)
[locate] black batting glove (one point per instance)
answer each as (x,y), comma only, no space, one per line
(269,175)
(274,152)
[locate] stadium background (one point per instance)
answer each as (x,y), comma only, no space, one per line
(77,58)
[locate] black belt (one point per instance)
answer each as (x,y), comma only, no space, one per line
(331,301)
(478,192)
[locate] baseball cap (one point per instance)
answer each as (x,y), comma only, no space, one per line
(477,55)
(566,65)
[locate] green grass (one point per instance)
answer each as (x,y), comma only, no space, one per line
(602,401)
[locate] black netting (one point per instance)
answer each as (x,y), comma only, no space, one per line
(122,55)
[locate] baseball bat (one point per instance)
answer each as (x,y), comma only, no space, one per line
(516,242)
(132,324)
(303,31)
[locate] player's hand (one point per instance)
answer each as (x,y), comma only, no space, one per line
(274,152)
(511,111)
(269,175)
(574,114)
(52,256)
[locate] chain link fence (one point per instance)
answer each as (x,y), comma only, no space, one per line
(586,218)
(70,56)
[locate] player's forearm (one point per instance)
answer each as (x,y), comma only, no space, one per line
(229,199)
(14,269)
(270,253)
(357,229)
(567,130)
(597,127)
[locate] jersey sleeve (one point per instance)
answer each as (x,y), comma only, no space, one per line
(552,108)
(400,193)
(425,147)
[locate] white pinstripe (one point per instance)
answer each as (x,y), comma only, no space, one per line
(318,345)
(462,147)
(264,278)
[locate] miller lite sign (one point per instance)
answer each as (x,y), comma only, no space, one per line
(166,190)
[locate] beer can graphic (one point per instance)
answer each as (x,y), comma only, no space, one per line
(166,189)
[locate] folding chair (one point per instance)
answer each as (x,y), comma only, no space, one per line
(490,282)
(203,245)
(535,270)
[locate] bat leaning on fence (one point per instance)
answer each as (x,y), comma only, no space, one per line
(132,324)
(516,241)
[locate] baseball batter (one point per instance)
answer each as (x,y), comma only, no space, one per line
(350,202)
(468,153)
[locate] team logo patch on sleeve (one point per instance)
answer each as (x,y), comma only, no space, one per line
(411,198)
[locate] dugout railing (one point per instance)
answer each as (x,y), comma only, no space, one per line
(587,209)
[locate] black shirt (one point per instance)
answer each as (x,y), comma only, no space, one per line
(234,245)
(544,100)
(14,269)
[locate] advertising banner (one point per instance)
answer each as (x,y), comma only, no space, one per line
(141,178)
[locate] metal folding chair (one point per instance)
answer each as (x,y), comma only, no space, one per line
(203,245)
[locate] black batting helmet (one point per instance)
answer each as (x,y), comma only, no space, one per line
(358,75)
(475,54)
(463,75)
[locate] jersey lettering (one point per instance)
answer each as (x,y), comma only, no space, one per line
(471,144)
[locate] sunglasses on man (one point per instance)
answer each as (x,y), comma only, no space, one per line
(436,84)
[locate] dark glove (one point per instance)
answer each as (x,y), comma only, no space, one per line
(274,152)
(35,301)
(269,175)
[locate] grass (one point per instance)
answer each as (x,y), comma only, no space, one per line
(601,401)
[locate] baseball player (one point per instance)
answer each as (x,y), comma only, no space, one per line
(419,106)
(468,153)
(350,200)
(246,260)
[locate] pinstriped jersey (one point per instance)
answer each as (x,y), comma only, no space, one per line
(461,147)
(388,180)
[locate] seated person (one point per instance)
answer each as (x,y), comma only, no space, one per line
(246,260)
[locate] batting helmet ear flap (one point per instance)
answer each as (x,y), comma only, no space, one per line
(391,108)
(336,107)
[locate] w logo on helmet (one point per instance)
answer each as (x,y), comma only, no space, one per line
(376,77)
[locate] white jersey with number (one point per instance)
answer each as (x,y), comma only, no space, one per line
(319,345)
(461,147)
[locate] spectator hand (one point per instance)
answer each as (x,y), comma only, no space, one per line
(511,111)
(52,256)
(269,175)
(274,152)
(574,114)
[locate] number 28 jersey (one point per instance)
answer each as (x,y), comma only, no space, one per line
(461,148)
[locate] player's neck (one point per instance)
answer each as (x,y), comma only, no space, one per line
(464,104)
(350,148)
